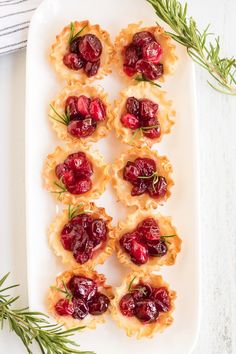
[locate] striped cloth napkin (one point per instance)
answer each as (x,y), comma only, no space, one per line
(15,17)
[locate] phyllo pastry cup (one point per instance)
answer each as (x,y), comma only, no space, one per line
(143,187)
(97,52)
(82,236)
(80,298)
(143,305)
(74,174)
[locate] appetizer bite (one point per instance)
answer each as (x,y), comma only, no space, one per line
(82,52)
(80,298)
(143,305)
(142,115)
(75,174)
(82,235)
(144,53)
(80,113)
(141,178)
(146,241)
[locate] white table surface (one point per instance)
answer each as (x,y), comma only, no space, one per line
(217,143)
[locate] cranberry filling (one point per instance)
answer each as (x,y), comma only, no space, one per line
(142,114)
(82,235)
(145,302)
(144,242)
(75,173)
(143,55)
(85,299)
(83,115)
(142,174)
(84,52)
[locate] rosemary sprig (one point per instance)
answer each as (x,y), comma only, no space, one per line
(74,35)
(65,291)
(131,283)
(204,52)
(61,118)
(168,236)
(33,327)
(140,130)
(142,79)
(62,188)
(155,179)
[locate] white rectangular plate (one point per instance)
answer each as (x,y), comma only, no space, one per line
(179,146)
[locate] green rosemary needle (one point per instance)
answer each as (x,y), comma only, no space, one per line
(142,79)
(201,49)
(74,35)
(33,327)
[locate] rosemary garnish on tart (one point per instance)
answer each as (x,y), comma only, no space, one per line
(74,35)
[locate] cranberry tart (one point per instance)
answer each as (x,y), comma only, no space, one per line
(147,241)
(142,115)
(75,174)
(82,235)
(142,178)
(82,52)
(146,52)
(80,113)
(80,298)
(143,305)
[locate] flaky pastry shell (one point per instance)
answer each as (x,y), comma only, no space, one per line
(123,188)
(59,105)
(99,178)
(54,296)
(166,228)
(100,254)
(131,325)
(124,38)
(165,114)
(60,48)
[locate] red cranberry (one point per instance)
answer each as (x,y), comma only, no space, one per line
(141,291)
(97,109)
(161,298)
(83,220)
(82,128)
(157,249)
(127,305)
(148,108)
(131,55)
(60,170)
(63,307)
(78,161)
(132,106)
(80,309)
(143,37)
(67,176)
(90,47)
(127,239)
(146,311)
(139,188)
(71,107)
(91,69)
(98,230)
(149,229)
(98,304)
(70,235)
(74,45)
(139,253)
(82,185)
(152,52)
(130,121)
(153,133)
(129,71)
(82,287)
(83,103)
(82,256)
(145,166)
(80,237)
(149,70)
(131,172)
(160,188)
(73,61)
